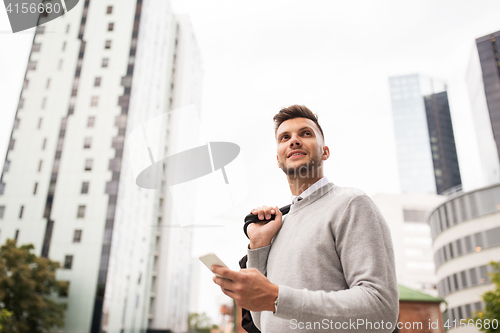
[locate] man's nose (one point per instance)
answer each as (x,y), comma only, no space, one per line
(295,141)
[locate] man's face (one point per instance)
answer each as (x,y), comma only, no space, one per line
(300,147)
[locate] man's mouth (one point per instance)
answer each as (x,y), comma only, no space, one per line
(295,154)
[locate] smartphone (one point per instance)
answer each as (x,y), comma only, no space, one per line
(211,259)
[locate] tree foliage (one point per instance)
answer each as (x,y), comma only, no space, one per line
(27,283)
(200,323)
(491,299)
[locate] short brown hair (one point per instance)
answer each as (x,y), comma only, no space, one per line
(295,111)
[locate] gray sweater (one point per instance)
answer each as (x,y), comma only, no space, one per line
(333,260)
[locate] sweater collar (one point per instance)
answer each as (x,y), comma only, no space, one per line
(312,197)
(320,183)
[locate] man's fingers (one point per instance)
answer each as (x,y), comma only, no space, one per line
(264,212)
(225,284)
(277,211)
(225,272)
(229,293)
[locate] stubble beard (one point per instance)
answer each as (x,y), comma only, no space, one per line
(308,169)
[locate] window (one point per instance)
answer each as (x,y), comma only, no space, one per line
(25,84)
(94,101)
(16,235)
(109,10)
(85,188)
(2,211)
(414,215)
(88,165)
(91,122)
(67,28)
(60,64)
(44,144)
(97,82)
(36,47)
(68,262)
(47,85)
(21,211)
(64,46)
(107,45)
(34,190)
(12,143)
(31,65)
(40,165)
(105,62)
(81,212)
(64,291)
(111,26)
(21,103)
(40,123)
(44,101)
(77,236)
(87,143)
(16,123)
(6,166)
(40,30)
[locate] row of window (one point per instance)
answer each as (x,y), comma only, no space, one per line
(465,279)
(77,238)
(465,208)
(86,144)
(472,243)
(97,83)
(37,47)
(80,212)
(464,311)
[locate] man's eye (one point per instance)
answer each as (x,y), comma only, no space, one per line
(307,133)
(284,137)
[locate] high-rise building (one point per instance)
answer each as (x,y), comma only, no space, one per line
(483,81)
(95,74)
(426,152)
(466,238)
(406,215)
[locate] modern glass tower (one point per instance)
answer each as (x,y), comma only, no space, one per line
(426,152)
(95,74)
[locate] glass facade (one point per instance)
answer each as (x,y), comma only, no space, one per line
(425,145)
(442,140)
(464,208)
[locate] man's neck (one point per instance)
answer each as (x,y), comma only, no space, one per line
(299,184)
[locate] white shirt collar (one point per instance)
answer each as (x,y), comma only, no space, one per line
(320,183)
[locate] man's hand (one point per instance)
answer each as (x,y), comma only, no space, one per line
(249,288)
(261,233)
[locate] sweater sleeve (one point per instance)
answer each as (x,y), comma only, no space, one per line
(258,259)
(364,246)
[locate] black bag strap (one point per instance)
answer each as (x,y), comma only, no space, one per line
(251,218)
(246,316)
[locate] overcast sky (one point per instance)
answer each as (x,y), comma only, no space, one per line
(334,57)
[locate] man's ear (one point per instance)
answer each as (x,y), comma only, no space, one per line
(278,161)
(326,153)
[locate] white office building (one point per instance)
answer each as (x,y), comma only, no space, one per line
(94,75)
(406,215)
(488,155)
(466,238)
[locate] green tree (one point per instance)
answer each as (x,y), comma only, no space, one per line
(200,323)
(27,284)
(491,299)
(4,316)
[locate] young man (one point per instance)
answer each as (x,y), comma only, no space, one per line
(326,266)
